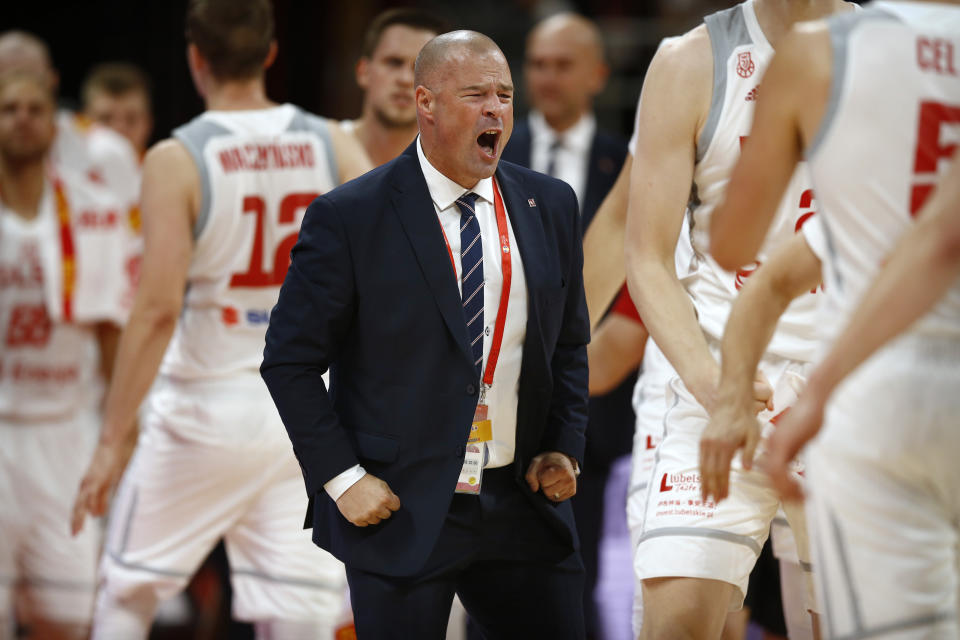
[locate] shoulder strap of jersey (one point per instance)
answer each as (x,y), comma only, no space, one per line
(841,26)
(194,136)
(728,30)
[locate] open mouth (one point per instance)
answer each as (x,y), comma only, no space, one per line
(488,141)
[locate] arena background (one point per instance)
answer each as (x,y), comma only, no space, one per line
(319,42)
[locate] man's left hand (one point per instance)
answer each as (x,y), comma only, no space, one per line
(553,473)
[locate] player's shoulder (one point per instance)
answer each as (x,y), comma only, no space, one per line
(806,50)
(690,53)
(170,162)
(682,65)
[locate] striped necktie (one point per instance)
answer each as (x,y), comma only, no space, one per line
(555,147)
(471,278)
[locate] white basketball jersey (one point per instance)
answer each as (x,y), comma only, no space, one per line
(98,153)
(891,127)
(55,281)
(258,172)
(741,54)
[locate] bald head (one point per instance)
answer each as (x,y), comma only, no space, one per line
(435,58)
(464,98)
(570,28)
(22,51)
(564,68)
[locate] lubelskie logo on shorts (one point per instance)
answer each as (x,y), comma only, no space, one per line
(686,482)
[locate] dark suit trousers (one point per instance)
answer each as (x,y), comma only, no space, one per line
(512,573)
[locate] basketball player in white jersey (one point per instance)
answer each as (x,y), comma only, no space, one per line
(84,147)
(879,119)
(81,146)
(61,292)
(388,121)
(695,555)
(222,204)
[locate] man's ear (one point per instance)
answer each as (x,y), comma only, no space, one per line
(361,71)
(271,55)
(425,101)
(198,67)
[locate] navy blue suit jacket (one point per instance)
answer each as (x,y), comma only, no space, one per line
(611,415)
(607,154)
(371,294)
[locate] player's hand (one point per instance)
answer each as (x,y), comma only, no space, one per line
(797,427)
(762,393)
(93,496)
(553,473)
(731,427)
(368,501)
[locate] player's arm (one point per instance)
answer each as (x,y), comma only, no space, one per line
(169,200)
(792,97)
(895,300)
(603,265)
(790,273)
(352,160)
(108,341)
(616,348)
(673,104)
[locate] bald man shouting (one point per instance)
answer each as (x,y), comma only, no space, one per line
(443,291)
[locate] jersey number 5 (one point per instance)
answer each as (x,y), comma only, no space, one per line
(931,149)
(255,276)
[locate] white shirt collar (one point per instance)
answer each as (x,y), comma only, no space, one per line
(576,138)
(443,190)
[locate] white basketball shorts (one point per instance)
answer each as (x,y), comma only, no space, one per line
(213,461)
(683,535)
(41,465)
(884,495)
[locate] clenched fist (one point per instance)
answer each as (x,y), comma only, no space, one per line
(368,501)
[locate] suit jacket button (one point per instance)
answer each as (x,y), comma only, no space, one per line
(461,450)
(471,389)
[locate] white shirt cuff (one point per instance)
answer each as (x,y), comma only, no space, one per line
(341,482)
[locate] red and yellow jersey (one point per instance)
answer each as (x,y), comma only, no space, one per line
(60,273)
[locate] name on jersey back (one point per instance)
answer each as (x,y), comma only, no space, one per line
(261,157)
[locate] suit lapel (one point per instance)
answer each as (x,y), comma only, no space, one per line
(524,214)
(411,200)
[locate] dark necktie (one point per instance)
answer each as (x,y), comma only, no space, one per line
(552,157)
(471,269)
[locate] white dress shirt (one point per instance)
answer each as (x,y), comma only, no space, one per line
(502,397)
(572,156)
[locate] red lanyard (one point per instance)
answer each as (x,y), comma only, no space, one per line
(505,266)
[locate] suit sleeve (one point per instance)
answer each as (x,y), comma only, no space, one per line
(312,315)
(567,420)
